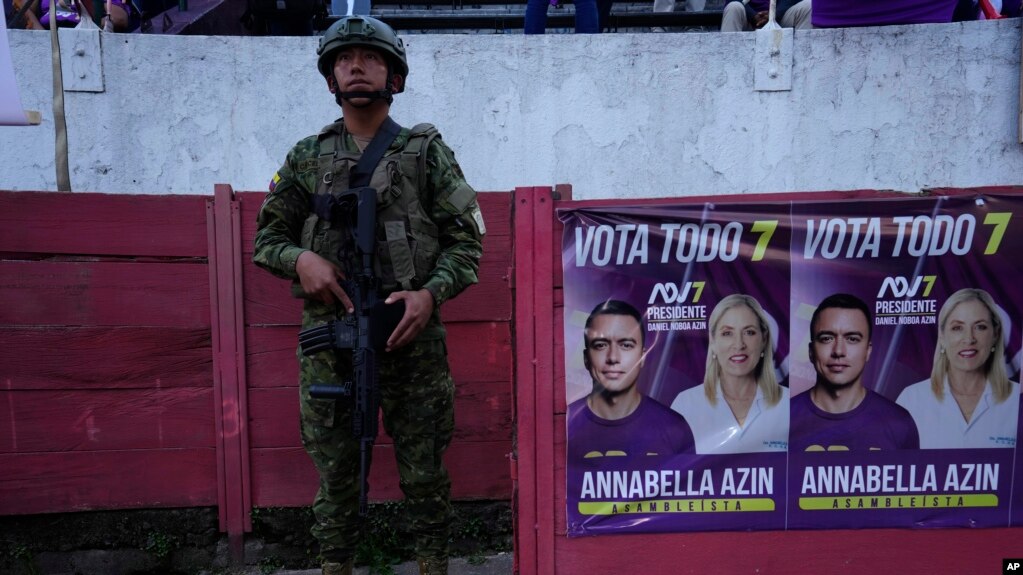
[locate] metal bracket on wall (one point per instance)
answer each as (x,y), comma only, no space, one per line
(772,64)
(82,59)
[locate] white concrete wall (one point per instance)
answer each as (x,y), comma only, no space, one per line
(642,115)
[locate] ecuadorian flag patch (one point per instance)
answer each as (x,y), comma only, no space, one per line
(274,180)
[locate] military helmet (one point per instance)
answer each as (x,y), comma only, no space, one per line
(360,31)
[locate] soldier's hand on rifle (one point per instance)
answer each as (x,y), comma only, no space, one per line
(418,308)
(319,278)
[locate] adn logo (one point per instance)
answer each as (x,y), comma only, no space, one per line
(671,293)
(899,286)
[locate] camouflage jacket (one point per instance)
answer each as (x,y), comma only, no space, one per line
(289,203)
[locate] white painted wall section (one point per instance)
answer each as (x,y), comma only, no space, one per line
(615,115)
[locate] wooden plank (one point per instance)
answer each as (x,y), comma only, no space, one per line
(482,413)
(525,458)
(104,357)
(228,342)
(104,293)
(972,191)
(273,418)
(497,212)
(250,203)
(236,536)
(477,352)
(286,477)
(547,258)
(268,299)
(827,195)
(490,298)
(560,401)
(55,421)
(80,481)
(480,352)
(558,281)
(271,359)
(103,224)
(561,479)
(844,552)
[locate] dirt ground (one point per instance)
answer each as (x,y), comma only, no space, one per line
(187,541)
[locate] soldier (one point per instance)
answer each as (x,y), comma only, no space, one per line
(428,245)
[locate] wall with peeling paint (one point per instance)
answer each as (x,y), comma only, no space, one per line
(643,115)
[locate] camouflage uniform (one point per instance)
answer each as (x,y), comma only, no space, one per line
(416,390)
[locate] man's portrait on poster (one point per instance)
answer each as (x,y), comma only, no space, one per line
(616,419)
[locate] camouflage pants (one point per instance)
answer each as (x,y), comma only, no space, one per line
(417,400)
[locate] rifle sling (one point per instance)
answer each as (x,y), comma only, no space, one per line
(385,136)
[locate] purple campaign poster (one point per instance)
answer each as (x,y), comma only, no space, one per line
(698,399)
(873,441)
(630,466)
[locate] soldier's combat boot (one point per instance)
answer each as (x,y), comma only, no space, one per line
(433,566)
(332,568)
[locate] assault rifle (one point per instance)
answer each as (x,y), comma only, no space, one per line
(363,333)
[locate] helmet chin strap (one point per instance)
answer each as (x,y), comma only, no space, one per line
(384,95)
(387,94)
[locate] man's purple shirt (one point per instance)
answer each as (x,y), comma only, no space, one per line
(876,423)
(652,429)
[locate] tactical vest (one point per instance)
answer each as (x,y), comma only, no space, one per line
(407,247)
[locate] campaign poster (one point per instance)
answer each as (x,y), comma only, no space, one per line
(653,447)
(905,361)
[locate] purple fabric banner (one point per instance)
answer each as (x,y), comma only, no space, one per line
(844,14)
(699,400)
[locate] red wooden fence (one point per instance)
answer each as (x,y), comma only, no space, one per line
(541,545)
(107,377)
(145,362)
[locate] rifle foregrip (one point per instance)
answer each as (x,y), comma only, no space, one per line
(323,391)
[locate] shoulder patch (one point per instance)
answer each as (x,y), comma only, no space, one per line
(461,198)
(274,181)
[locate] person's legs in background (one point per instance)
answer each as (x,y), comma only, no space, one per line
(662,6)
(587,20)
(536,17)
(797,16)
(604,14)
(733,18)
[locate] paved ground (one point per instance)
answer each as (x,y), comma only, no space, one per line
(500,564)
